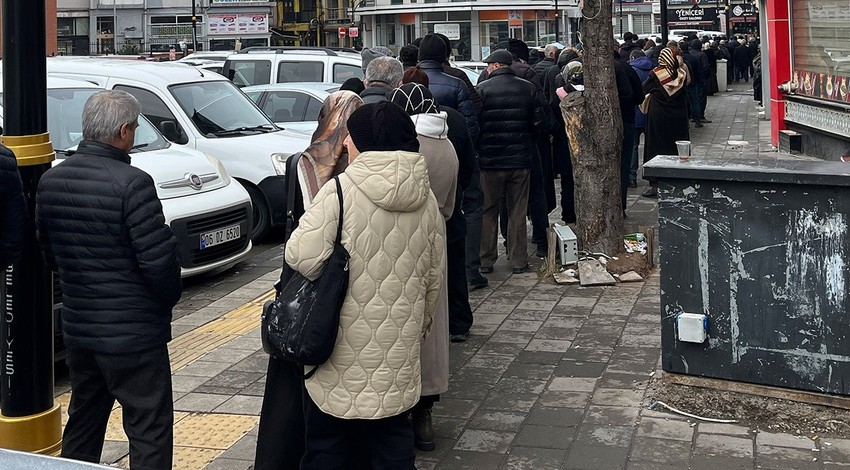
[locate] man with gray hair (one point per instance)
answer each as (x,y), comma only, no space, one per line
(383,75)
(100,224)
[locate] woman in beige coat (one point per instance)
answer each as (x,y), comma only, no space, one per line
(432,130)
(392,228)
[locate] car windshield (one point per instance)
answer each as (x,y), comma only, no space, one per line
(64,121)
(218,108)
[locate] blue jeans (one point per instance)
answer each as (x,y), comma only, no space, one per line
(693,94)
(472,205)
(626,160)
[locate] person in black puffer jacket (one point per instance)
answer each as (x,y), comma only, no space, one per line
(511,119)
(449,91)
(13,209)
(458,73)
(99,222)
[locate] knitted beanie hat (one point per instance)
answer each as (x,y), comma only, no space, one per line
(368,55)
(408,55)
(432,48)
(382,127)
(414,99)
(518,48)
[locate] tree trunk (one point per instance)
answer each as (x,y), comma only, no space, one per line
(595,131)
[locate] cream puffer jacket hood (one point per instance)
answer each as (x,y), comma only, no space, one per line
(395,235)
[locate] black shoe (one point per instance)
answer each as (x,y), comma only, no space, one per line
(704,120)
(520,270)
(486,269)
(477,281)
(698,124)
(541,253)
(652,192)
(569,220)
(459,338)
(423,431)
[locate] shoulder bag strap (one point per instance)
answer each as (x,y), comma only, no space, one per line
(291,186)
(339,196)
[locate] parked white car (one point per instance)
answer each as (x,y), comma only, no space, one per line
(264,65)
(293,106)
(207,112)
(209,213)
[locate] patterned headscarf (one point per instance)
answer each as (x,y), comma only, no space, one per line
(670,73)
(414,98)
(667,59)
(324,158)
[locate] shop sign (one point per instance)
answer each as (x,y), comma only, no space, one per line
(691,16)
(449,30)
(743,9)
(353,32)
(238,23)
(691,2)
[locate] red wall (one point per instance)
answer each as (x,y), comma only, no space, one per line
(779,37)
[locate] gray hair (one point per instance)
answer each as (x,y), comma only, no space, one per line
(550,51)
(385,70)
(636,53)
(105,112)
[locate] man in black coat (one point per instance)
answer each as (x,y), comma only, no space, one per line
(383,75)
(511,119)
(704,74)
(101,225)
(630,94)
(13,209)
(742,60)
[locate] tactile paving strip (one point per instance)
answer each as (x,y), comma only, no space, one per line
(191,346)
(212,431)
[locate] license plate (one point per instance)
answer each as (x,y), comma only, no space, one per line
(222,235)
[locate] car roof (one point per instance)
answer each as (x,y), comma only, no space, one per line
(317,88)
(161,74)
(55,83)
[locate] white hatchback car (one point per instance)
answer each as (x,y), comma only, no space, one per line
(207,112)
(294,106)
(209,214)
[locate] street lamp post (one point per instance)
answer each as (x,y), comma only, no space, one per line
(30,420)
(557,21)
(194,29)
(665,30)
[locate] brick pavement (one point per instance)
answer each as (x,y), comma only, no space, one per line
(552,376)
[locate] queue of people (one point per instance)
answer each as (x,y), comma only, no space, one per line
(416,169)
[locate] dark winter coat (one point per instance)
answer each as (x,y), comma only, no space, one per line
(629,90)
(451,92)
(13,209)
(544,70)
(666,120)
(626,49)
(698,59)
(510,120)
(741,57)
(642,67)
(467,160)
(473,93)
(526,72)
(100,223)
(375,94)
(653,53)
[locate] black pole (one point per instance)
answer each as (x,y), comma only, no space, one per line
(665,30)
(621,18)
(29,418)
(194,29)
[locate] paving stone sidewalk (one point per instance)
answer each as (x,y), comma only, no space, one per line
(552,377)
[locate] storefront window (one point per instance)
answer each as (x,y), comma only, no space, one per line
(459,33)
(386,32)
(821,35)
(494,35)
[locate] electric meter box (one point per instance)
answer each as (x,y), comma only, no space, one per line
(567,244)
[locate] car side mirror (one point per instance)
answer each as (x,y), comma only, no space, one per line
(169,130)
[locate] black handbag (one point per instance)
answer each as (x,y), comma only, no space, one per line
(301,324)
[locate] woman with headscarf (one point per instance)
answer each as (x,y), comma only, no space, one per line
(280,437)
(440,156)
(666,109)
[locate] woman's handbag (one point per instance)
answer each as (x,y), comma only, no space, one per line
(301,324)
(644,106)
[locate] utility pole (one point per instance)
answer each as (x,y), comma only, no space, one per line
(114,26)
(30,420)
(194,29)
(665,30)
(621,18)
(557,21)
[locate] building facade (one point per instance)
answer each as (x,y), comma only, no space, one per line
(135,26)
(808,46)
(50,27)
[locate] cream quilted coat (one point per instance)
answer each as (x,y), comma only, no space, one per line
(395,235)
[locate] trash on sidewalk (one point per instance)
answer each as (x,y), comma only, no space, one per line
(635,243)
(655,404)
(593,273)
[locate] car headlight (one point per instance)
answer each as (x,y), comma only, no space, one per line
(225,176)
(279,163)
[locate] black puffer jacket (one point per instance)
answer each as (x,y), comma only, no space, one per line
(100,223)
(13,209)
(451,92)
(473,93)
(511,117)
(466,159)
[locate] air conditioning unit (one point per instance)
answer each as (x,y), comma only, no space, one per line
(567,244)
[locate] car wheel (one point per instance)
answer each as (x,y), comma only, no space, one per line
(261,216)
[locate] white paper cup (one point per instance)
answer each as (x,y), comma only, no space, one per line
(684,148)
